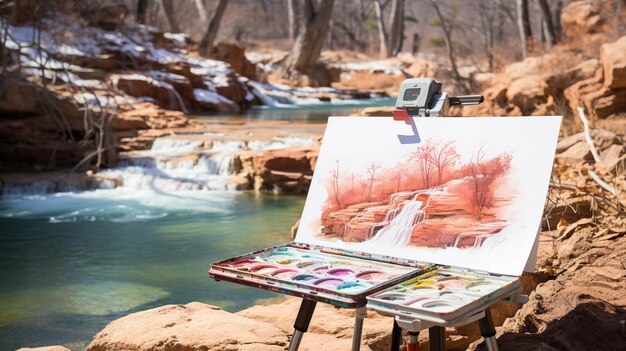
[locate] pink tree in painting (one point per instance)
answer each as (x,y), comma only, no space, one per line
(483,174)
(334,184)
(444,156)
(397,174)
(363,185)
(423,157)
(371,172)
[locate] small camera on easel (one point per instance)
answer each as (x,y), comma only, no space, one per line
(423,97)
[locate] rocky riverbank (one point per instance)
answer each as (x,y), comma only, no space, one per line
(77,95)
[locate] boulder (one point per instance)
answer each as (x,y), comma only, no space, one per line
(281,171)
(191,327)
(148,88)
(125,122)
(583,307)
(19,98)
(583,17)
(527,93)
(235,55)
(44,348)
(422,68)
(613,59)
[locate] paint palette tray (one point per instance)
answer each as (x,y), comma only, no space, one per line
(443,295)
(333,276)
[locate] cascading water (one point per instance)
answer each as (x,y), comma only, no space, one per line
(400,228)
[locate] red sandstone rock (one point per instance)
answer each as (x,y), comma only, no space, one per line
(235,55)
(194,326)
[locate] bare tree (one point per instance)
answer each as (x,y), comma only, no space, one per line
(334,183)
(549,30)
(382,36)
(396,31)
(447,31)
(206,44)
(423,156)
(397,175)
(142,10)
(168,10)
(293,17)
(487,16)
(308,46)
(23,11)
(415,47)
(482,175)
(443,156)
(523,25)
(556,20)
(201,9)
(371,172)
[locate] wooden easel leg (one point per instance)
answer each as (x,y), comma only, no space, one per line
(396,336)
(302,323)
(488,331)
(361,313)
(437,338)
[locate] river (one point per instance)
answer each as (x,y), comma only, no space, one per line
(72,262)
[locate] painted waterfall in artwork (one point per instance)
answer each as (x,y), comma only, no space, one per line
(458,191)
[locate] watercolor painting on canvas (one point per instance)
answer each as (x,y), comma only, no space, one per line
(466,191)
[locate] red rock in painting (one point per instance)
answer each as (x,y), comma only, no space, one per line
(436,204)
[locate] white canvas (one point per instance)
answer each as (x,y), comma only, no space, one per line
(466,192)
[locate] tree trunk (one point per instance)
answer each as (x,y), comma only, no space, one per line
(382,36)
(168,9)
(142,10)
(447,31)
(415,48)
(548,24)
(523,25)
(487,26)
(308,46)
(206,44)
(396,31)
(23,11)
(293,18)
(556,20)
(201,9)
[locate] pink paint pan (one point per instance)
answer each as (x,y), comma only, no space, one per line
(285,273)
(372,275)
(263,268)
(340,272)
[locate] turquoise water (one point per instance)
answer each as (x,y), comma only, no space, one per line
(311,114)
(71,263)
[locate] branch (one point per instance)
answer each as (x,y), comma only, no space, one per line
(594,151)
(604,185)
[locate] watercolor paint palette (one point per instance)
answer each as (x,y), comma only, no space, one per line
(443,294)
(334,277)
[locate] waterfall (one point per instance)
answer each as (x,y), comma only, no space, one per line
(217,164)
(173,146)
(400,228)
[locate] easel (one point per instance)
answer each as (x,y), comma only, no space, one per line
(305,313)
(423,97)
(437,329)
